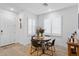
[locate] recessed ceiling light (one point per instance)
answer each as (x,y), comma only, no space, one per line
(12,9)
(45,4)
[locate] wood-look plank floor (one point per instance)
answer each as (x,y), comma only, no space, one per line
(20,50)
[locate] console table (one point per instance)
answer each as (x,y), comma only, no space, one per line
(71,46)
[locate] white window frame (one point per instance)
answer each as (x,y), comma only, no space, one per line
(55,34)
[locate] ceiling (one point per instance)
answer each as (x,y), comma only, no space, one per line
(35,8)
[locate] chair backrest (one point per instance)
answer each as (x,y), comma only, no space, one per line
(53,42)
(32,37)
(35,43)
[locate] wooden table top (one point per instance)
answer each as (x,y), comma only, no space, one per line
(73,44)
(42,38)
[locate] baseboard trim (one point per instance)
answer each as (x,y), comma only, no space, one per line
(7,45)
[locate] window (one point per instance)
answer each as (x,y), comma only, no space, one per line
(31,26)
(47,26)
(56,25)
(52,24)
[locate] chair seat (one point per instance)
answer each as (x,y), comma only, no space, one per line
(49,44)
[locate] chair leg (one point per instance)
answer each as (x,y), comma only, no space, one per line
(54,48)
(31,50)
(37,51)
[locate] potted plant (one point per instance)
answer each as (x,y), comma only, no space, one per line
(41,31)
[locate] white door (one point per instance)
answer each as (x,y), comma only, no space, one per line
(8,25)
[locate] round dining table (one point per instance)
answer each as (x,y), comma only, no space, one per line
(43,41)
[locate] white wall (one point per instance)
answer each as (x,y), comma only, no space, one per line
(9,23)
(22,34)
(69,23)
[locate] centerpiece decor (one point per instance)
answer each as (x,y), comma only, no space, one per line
(40,31)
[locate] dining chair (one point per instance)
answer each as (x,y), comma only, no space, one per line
(35,45)
(51,45)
